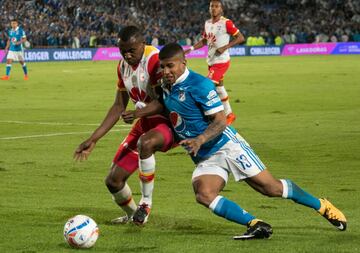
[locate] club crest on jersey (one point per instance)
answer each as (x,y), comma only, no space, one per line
(177,122)
(182,96)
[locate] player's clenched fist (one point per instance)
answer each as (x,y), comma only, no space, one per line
(84,150)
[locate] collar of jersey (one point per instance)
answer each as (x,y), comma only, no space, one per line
(216,21)
(182,77)
(17,28)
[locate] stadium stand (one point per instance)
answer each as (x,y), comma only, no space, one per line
(93,23)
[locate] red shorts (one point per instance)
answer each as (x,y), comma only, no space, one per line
(217,71)
(127,156)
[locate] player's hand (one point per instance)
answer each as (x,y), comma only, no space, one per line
(83,151)
(192,145)
(187,51)
(220,50)
(128,116)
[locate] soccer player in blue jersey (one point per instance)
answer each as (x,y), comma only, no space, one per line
(198,119)
(16,37)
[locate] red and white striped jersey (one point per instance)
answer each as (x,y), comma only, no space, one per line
(217,35)
(139,81)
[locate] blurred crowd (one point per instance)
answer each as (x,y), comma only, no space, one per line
(94,23)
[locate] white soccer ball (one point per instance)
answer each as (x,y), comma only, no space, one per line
(81,231)
(27,44)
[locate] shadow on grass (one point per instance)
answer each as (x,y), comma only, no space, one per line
(158,222)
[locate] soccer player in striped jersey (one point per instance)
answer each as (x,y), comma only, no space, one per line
(198,119)
(138,74)
(216,35)
(16,37)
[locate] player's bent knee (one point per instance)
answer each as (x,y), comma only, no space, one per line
(114,185)
(145,144)
(205,198)
(148,145)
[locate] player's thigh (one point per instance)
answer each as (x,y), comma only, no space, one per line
(207,187)
(160,134)
(127,156)
(217,72)
(210,175)
(11,56)
(20,57)
(151,141)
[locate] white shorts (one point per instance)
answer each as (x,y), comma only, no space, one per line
(235,157)
(15,55)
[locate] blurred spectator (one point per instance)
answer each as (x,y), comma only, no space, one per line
(93,39)
(278,41)
(155,41)
(75,41)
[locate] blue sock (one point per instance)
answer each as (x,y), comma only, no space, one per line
(298,195)
(8,69)
(230,211)
(24,68)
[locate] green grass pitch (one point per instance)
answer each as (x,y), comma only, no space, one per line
(300,114)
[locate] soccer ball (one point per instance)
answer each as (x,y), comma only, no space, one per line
(81,231)
(27,44)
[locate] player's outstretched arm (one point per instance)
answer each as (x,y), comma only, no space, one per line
(113,115)
(197,45)
(216,127)
(152,108)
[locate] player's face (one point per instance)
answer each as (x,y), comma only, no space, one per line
(14,24)
(132,51)
(215,8)
(172,68)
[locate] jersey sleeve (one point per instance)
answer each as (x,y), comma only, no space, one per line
(154,70)
(120,82)
(23,35)
(231,28)
(206,96)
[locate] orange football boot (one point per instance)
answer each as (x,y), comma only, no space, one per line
(5,78)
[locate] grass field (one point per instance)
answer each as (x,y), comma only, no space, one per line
(300,114)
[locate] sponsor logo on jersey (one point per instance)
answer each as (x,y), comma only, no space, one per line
(212,94)
(177,122)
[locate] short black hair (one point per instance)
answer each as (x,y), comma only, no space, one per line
(128,32)
(222,5)
(170,50)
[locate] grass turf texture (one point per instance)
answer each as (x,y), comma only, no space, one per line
(300,114)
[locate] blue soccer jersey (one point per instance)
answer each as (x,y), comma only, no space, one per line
(15,36)
(189,101)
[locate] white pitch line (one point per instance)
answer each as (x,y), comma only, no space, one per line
(53,134)
(52,123)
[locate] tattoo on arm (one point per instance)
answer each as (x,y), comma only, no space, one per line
(215,128)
